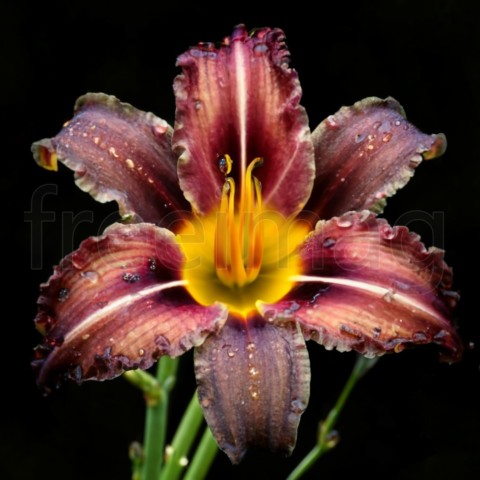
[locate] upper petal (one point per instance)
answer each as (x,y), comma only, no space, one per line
(118,303)
(372,288)
(364,154)
(242,99)
(119,153)
(253,384)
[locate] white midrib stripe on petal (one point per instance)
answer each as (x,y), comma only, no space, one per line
(382,292)
(241,101)
(118,304)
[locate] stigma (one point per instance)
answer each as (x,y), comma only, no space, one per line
(239,232)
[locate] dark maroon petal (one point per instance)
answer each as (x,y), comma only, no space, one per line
(242,99)
(253,384)
(364,154)
(118,303)
(119,153)
(372,288)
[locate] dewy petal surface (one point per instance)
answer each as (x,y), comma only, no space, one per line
(119,153)
(253,384)
(372,288)
(118,303)
(364,154)
(242,99)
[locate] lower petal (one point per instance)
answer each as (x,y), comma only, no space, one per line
(253,385)
(115,304)
(372,288)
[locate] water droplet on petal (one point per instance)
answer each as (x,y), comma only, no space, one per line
(250,346)
(78,373)
(331,122)
(360,137)
(385,127)
(269,315)
(159,129)
(441,336)
(419,337)
(344,222)
(350,331)
(388,296)
(377,331)
(260,49)
(141,352)
(131,277)
(387,137)
(253,393)
(197,104)
(387,232)
(78,260)
(130,163)
(298,406)
(86,336)
(91,276)
(152,264)
(376,125)
(63,294)
(329,242)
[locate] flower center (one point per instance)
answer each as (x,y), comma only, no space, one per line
(243,252)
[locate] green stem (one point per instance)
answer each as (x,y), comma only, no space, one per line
(327,438)
(156,391)
(204,455)
(182,441)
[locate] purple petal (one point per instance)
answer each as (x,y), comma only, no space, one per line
(242,99)
(119,153)
(364,154)
(372,288)
(118,303)
(253,384)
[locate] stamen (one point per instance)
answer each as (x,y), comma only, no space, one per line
(255,253)
(239,233)
(222,234)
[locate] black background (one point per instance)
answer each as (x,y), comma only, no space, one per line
(411,417)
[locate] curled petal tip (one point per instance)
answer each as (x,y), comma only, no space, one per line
(437,148)
(45,155)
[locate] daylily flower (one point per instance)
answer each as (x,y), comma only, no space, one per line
(216,253)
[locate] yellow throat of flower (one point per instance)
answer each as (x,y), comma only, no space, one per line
(242,253)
